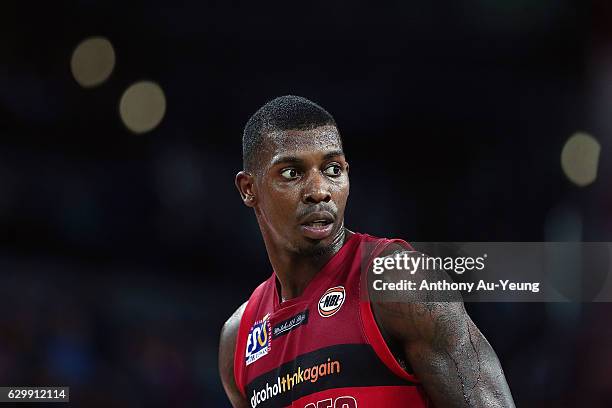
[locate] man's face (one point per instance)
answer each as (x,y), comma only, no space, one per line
(302,188)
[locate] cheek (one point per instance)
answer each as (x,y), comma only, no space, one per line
(341,193)
(284,201)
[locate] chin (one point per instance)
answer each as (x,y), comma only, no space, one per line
(315,247)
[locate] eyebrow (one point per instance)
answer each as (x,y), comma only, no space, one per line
(297,160)
(332,154)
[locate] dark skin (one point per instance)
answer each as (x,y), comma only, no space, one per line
(432,333)
(303,172)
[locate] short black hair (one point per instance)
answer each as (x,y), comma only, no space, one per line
(283,113)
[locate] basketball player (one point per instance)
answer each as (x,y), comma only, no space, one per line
(312,335)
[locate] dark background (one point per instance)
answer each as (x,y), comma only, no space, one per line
(122,254)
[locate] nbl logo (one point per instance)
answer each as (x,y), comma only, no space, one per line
(258,342)
(331,301)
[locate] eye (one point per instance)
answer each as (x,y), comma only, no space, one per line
(334,170)
(289,174)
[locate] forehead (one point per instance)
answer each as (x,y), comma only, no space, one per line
(295,142)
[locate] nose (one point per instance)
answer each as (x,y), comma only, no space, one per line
(316,191)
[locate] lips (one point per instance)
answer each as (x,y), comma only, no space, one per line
(317,225)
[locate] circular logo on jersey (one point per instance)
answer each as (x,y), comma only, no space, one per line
(331,301)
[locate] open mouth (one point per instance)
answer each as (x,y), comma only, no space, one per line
(317,225)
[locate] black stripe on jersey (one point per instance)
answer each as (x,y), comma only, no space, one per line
(341,365)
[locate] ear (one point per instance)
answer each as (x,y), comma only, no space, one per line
(347,167)
(244,183)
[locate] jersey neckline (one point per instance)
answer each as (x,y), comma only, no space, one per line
(331,265)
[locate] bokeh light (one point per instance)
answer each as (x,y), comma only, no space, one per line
(142,106)
(580,158)
(92,62)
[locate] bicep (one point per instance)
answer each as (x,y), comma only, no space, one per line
(449,355)
(227,346)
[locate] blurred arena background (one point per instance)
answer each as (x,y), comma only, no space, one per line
(124,244)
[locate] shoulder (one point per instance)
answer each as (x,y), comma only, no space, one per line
(383,269)
(396,261)
(227,347)
(377,247)
(231,325)
(229,333)
(403,312)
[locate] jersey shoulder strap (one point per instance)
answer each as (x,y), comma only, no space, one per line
(370,327)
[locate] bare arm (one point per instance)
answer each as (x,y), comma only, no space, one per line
(455,363)
(227,345)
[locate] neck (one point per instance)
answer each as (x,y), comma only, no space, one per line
(294,270)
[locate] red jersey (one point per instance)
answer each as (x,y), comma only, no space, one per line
(322,349)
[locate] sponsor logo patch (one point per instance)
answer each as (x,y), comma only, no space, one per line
(331,301)
(285,384)
(258,341)
(286,326)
